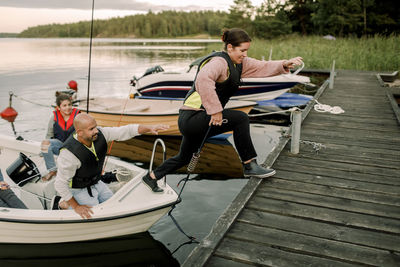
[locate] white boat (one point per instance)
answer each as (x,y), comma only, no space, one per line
(132,209)
(156,83)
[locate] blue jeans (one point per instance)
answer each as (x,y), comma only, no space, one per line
(100,192)
(54,149)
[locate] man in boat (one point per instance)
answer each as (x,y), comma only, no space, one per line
(81,160)
(8,199)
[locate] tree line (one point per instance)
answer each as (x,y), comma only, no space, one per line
(272,19)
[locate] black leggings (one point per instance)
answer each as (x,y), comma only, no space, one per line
(194,125)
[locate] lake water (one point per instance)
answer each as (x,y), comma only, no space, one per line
(33,69)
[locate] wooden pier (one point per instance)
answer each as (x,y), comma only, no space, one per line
(339,206)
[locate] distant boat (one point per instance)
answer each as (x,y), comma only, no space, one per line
(132,209)
(156,83)
(112,111)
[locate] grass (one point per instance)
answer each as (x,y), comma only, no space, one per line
(376,53)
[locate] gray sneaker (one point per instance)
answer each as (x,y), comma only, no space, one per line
(252,169)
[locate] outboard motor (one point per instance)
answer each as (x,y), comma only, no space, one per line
(22,170)
(149,71)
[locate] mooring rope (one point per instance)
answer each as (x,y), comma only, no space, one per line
(327,108)
(32,102)
(191,166)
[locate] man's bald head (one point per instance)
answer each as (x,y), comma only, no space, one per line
(86,128)
(82,120)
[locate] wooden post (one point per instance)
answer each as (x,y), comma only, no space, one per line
(332,75)
(296,128)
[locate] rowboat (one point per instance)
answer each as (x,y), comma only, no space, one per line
(218,156)
(157,83)
(112,111)
(132,209)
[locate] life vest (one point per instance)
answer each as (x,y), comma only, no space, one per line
(224,89)
(61,128)
(91,165)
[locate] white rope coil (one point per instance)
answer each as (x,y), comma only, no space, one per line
(327,108)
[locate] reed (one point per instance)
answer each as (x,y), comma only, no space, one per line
(376,53)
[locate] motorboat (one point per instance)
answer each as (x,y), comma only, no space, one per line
(158,84)
(113,111)
(132,209)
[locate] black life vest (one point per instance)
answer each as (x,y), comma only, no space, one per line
(226,89)
(91,166)
(61,128)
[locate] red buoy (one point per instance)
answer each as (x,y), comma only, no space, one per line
(73,85)
(9,114)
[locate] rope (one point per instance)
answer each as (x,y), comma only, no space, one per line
(190,169)
(32,102)
(327,108)
(37,195)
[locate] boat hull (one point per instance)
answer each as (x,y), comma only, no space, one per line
(176,85)
(59,232)
(145,111)
(133,208)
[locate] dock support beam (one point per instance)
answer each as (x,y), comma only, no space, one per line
(332,75)
(296,128)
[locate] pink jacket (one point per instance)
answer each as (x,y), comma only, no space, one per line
(216,70)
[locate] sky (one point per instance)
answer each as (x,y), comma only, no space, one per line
(18,15)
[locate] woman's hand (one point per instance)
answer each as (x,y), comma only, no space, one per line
(216,119)
(291,63)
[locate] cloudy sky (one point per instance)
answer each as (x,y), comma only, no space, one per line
(17,15)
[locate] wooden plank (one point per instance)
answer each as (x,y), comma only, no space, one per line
(344,218)
(380,172)
(362,152)
(326,190)
(250,252)
(326,201)
(369,136)
(329,124)
(362,187)
(350,140)
(218,261)
(343,158)
(344,117)
(318,172)
(311,245)
(327,230)
(393,104)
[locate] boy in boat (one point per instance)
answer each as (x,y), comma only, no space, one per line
(81,160)
(60,127)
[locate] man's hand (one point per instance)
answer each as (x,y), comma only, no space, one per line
(83,210)
(153,129)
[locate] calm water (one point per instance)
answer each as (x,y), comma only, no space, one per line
(33,69)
